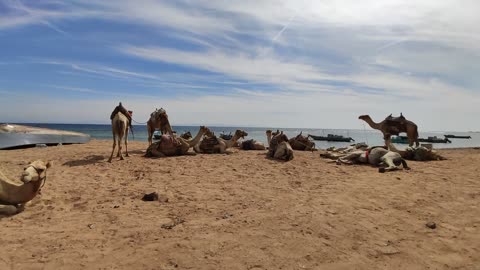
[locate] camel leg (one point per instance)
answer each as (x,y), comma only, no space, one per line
(119,154)
(113,147)
(8,210)
(350,158)
(390,165)
(150,134)
(126,142)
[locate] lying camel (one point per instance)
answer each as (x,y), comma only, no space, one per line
(278,146)
(302,143)
(213,144)
(14,196)
(416,153)
(174,146)
(376,156)
(252,145)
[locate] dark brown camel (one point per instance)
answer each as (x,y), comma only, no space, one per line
(394,126)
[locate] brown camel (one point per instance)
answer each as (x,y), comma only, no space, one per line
(302,143)
(278,146)
(252,145)
(158,120)
(119,131)
(175,146)
(212,144)
(394,126)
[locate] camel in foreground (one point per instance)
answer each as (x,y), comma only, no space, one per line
(175,146)
(14,196)
(119,131)
(302,143)
(394,126)
(212,144)
(278,146)
(158,120)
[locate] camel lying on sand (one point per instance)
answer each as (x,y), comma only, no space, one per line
(14,196)
(175,146)
(158,120)
(376,156)
(394,126)
(416,153)
(278,146)
(213,144)
(302,143)
(252,145)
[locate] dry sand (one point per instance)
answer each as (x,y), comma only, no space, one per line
(242,211)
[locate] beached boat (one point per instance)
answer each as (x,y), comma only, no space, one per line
(457,136)
(331,138)
(434,139)
(15,136)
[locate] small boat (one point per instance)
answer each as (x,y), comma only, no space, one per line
(457,136)
(331,138)
(157,135)
(226,136)
(400,139)
(16,136)
(434,139)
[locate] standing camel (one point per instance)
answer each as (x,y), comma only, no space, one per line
(119,131)
(394,126)
(158,120)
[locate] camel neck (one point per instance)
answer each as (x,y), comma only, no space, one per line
(371,123)
(197,138)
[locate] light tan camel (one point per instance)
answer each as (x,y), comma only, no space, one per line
(212,144)
(174,146)
(394,126)
(302,143)
(278,146)
(13,196)
(158,120)
(252,145)
(376,156)
(119,131)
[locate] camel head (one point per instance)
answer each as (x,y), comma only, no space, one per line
(240,134)
(364,117)
(268,132)
(35,171)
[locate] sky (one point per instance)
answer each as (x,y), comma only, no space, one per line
(274,63)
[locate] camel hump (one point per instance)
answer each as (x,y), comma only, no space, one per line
(400,118)
(207,145)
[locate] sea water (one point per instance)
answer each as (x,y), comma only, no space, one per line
(369,136)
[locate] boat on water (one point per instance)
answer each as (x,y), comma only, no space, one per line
(331,138)
(225,136)
(457,136)
(434,139)
(17,136)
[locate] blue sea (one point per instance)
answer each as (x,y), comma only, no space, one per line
(369,136)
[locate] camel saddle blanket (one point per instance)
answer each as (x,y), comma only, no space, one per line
(248,145)
(124,111)
(208,144)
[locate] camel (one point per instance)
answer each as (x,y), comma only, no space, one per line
(13,196)
(375,156)
(278,146)
(119,131)
(158,120)
(416,153)
(174,146)
(302,143)
(212,144)
(394,126)
(252,145)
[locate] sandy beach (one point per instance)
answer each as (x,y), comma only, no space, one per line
(242,211)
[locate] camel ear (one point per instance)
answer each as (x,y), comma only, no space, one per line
(49,164)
